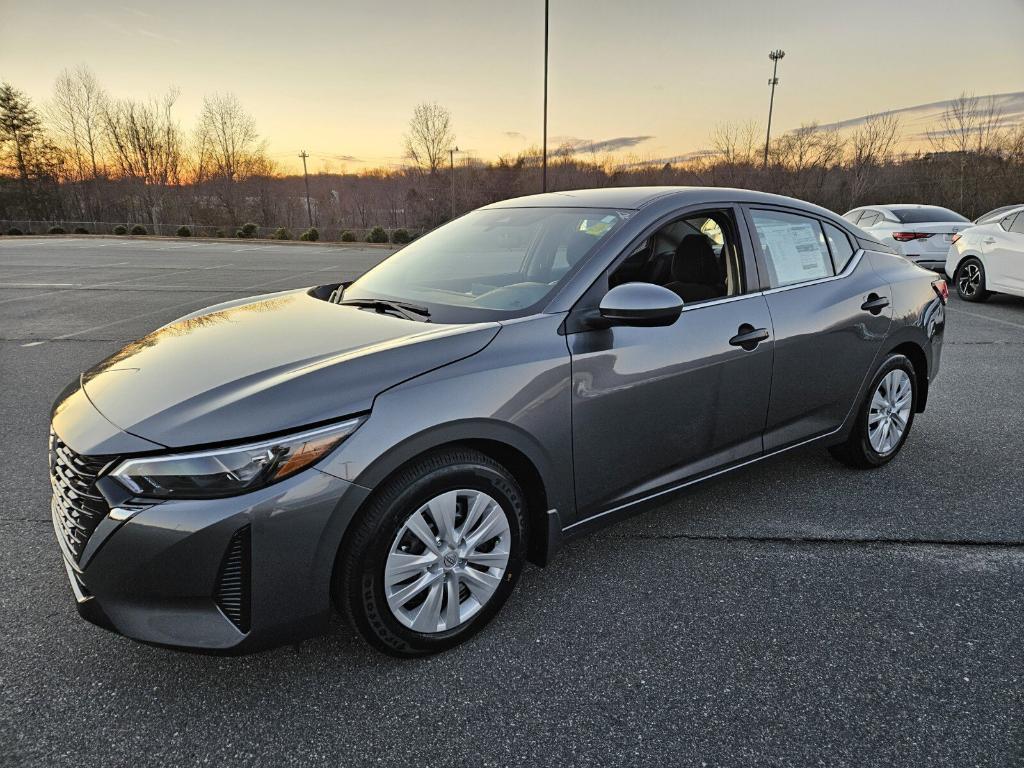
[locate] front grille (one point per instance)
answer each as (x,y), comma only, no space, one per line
(233,579)
(77,506)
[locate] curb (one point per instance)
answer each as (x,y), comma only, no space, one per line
(174,238)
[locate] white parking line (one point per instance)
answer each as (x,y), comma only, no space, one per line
(187,303)
(113,282)
(37,285)
(986,317)
(33,344)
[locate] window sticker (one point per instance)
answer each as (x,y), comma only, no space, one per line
(795,251)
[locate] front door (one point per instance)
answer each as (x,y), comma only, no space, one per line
(653,407)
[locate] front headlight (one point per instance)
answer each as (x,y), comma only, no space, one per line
(230,471)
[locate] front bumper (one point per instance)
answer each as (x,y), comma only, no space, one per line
(225,575)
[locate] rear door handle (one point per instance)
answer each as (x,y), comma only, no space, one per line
(748,336)
(875,303)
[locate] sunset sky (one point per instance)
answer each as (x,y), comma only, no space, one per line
(650,78)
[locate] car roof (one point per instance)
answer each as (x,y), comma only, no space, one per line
(635,198)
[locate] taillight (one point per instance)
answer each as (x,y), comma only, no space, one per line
(941,290)
(956,236)
(904,237)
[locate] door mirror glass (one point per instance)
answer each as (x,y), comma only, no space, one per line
(640,304)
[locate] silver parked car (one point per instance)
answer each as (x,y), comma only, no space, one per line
(399,446)
(922,233)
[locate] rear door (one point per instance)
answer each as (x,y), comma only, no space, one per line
(830,313)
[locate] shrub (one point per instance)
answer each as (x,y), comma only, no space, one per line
(81,231)
(55,231)
(249,230)
(138,229)
(348,237)
(311,235)
(401,237)
(184,231)
(377,235)
(14,231)
(219,233)
(282,234)
(120,229)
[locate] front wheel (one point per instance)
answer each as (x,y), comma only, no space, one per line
(885,417)
(435,554)
(970,280)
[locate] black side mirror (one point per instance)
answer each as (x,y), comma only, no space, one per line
(640,304)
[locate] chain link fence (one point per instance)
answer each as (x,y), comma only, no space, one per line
(327,234)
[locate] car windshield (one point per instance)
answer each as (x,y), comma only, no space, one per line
(925,214)
(490,264)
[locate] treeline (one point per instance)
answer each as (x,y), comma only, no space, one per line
(82,159)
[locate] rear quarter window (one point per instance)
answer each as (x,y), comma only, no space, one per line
(839,244)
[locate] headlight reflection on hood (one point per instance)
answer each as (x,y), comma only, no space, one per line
(230,471)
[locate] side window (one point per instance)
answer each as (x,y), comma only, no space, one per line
(1018,224)
(869,218)
(794,247)
(697,256)
(840,246)
(852,216)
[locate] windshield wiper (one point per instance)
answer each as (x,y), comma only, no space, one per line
(403,308)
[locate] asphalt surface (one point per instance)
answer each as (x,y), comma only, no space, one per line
(795,613)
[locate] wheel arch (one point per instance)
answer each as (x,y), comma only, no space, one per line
(968,255)
(506,446)
(916,354)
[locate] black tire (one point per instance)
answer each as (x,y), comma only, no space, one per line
(359,588)
(970,280)
(857,451)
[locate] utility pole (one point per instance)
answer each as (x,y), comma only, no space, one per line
(451,157)
(774,56)
(305,176)
(544,161)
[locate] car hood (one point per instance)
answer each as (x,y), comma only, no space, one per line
(264,365)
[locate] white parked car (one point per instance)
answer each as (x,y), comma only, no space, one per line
(989,257)
(922,233)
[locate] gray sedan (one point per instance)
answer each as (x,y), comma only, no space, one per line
(400,446)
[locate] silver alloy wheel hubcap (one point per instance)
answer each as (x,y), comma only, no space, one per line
(970,280)
(447,560)
(890,411)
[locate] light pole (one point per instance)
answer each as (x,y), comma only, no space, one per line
(451,158)
(774,56)
(305,176)
(544,150)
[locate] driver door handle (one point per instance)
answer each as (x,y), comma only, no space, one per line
(989,240)
(748,336)
(875,303)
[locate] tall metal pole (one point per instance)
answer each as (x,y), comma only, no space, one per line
(305,176)
(774,56)
(451,157)
(544,161)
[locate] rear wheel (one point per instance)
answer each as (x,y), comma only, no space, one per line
(435,554)
(970,280)
(885,417)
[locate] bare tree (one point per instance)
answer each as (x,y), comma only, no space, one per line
(145,146)
(870,146)
(75,115)
(227,150)
(430,136)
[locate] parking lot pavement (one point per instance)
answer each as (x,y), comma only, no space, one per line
(795,613)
